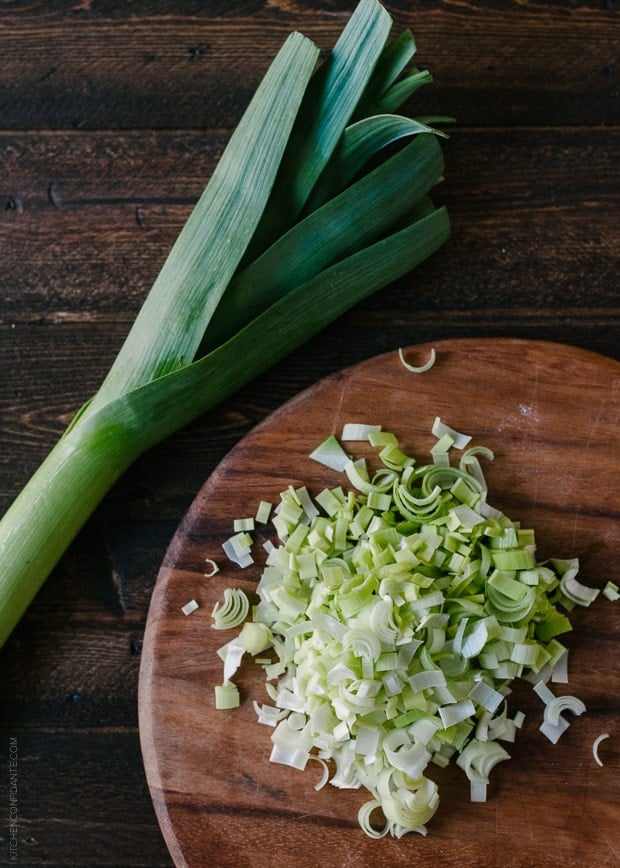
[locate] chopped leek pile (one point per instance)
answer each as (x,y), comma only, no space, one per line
(399,606)
(307,212)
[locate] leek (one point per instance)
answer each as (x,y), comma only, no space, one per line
(418,369)
(276,187)
(226,696)
(232,612)
(190,607)
(595,746)
(397,641)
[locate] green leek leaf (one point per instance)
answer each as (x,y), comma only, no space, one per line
(172,320)
(184,394)
(390,65)
(331,98)
(403,89)
(360,142)
(358,216)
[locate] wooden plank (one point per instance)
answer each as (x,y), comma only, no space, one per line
(73,660)
(81,673)
(55,367)
(506,63)
(535,218)
(85,779)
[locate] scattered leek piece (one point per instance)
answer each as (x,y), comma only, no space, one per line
(611,591)
(400,614)
(237,548)
(554,708)
(358,431)
(331,454)
(554,731)
(232,612)
(439,428)
(418,369)
(477,760)
(263,512)
(255,637)
(232,654)
(554,725)
(572,589)
(595,746)
(226,696)
(213,568)
(559,669)
(191,346)
(189,607)
(325,773)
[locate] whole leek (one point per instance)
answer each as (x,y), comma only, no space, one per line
(207,326)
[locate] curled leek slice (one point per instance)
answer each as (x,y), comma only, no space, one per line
(559,704)
(364,816)
(418,369)
(232,612)
(572,589)
(595,746)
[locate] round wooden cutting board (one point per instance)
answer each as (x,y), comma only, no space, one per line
(550,414)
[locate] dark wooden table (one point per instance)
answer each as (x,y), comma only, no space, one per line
(112,116)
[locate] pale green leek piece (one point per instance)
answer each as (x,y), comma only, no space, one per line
(295,226)
(226,696)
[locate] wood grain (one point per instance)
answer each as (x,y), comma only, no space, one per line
(85,766)
(112,116)
(511,64)
(550,413)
